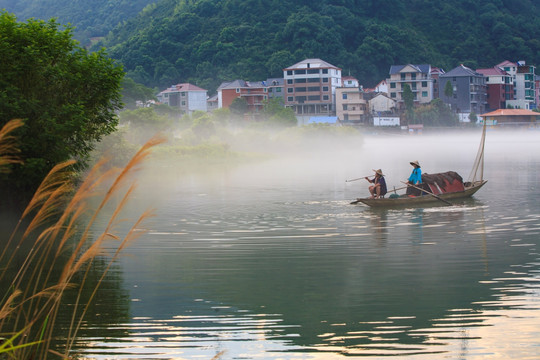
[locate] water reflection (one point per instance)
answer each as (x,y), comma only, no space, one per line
(293,272)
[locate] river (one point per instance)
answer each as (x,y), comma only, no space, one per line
(269,260)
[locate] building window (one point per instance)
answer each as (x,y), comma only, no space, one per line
(289,81)
(392,85)
(301,99)
(237,90)
(344,106)
(393,95)
(300,81)
(313,71)
(325,80)
(424,83)
(403,76)
(300,72)
(325,88)
(289,98)
(289,72)
(300,89)
(424,93)
(344,96)
(314,80)
(183,103)
(183,93)
(314,88)
(325,97)
(314,98)
(325,71)
(278,89)
(290,90)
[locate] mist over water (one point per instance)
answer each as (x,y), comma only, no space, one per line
(267,259)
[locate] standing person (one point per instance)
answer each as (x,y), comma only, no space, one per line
(378,189)
(415,179)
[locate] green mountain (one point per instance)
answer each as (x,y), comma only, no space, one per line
(209,41)
(91,19)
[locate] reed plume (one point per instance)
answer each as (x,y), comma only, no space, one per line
(50,240)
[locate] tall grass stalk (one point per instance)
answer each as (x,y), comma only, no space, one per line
(54,239)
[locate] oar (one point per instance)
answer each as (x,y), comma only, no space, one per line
(430,193)
(360,178)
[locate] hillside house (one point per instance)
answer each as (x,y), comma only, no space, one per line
(469,91)
(275,88)
(435,74)
(310,87)
(255,93)
(349,82)
(351,106)
(523,76)
(187,97)
(500,87)
(418,77)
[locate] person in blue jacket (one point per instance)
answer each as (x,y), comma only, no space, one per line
(415,179)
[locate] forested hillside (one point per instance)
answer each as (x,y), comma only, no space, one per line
(92,18)
(208,41)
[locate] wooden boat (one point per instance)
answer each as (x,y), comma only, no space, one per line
(404,200)
(433,193)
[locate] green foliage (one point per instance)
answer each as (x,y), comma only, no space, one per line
(239,106)
(133,92)
(66,95)
(274,113)
(436,113)
(208,42)
(144,123)
(448,89)
(92,18)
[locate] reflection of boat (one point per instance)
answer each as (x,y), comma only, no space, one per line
(438,188)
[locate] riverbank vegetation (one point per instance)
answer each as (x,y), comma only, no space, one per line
(66,95)
(53,247)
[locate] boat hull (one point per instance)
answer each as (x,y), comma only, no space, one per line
(404,200)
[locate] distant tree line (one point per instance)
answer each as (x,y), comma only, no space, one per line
(206,42)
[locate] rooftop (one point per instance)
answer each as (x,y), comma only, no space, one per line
(312,64)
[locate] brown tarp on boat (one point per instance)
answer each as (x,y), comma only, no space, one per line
(441,183)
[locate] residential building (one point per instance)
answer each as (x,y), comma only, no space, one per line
(537,90)
(418,77)
(382,104)
(255,93)
(435,74)
(349,82)
(523,76)
(519,117)
(351,107)
(187,97)
(310,87)
(275,88)
(469,91)
(212,103)
(500,87)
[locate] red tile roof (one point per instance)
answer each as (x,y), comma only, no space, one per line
(511,112)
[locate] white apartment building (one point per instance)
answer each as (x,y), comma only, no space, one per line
(310,87)
(187,97)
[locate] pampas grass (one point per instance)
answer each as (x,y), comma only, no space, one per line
(54,239)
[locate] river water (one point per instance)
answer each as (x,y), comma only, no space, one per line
(270,261)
